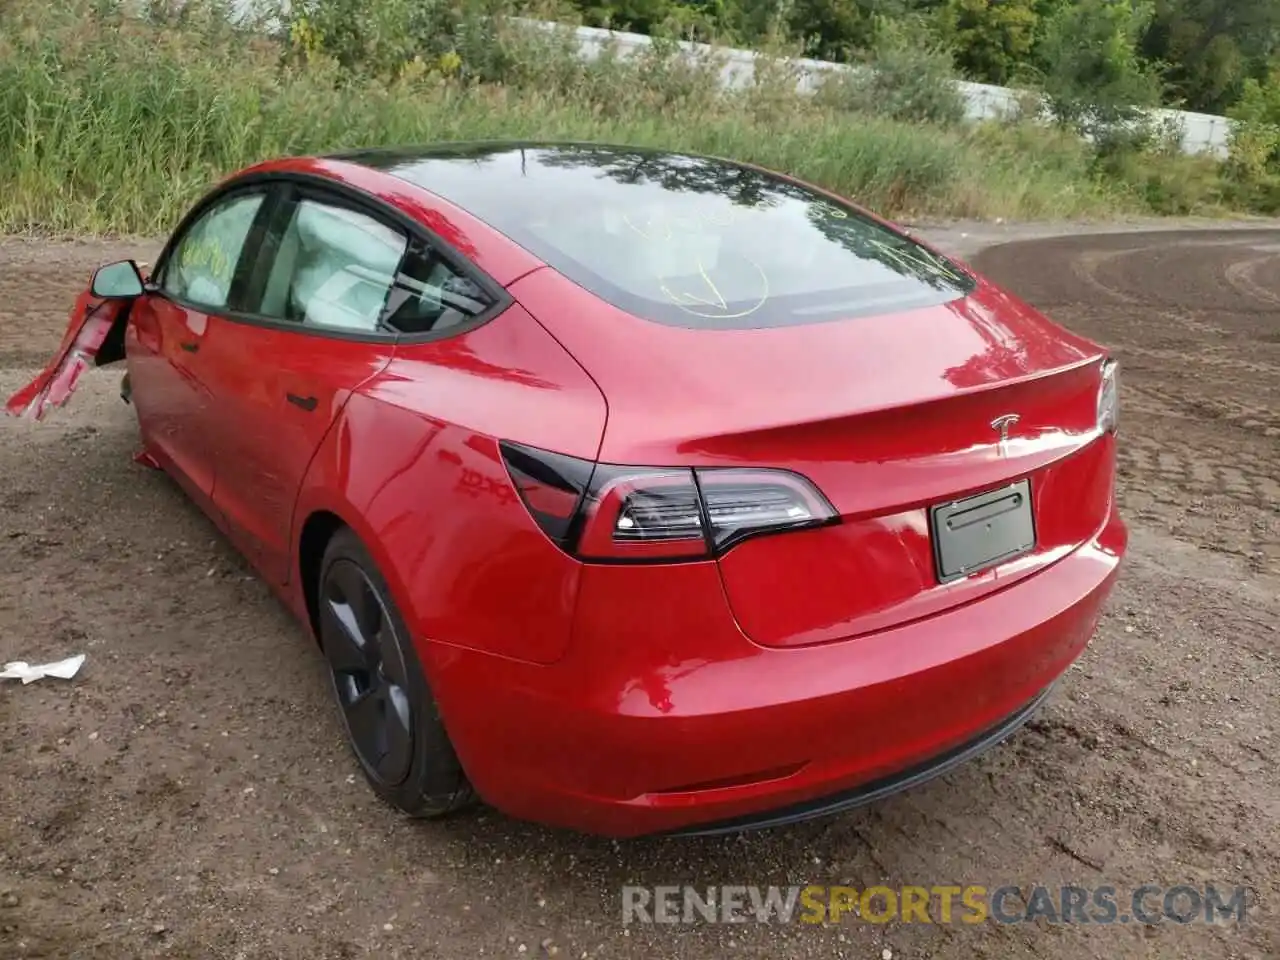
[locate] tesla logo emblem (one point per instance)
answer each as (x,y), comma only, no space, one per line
(1002,425)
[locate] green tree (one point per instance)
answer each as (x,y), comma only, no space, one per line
(1255,140)
(837,30)
(990,39)
(1211,47)
(913,79)
(1090,69)
(640,16)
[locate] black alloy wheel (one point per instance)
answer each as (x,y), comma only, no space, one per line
(389,712)
(369,675)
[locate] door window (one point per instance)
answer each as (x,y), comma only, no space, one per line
(333,268)
(203,264)
(340,269)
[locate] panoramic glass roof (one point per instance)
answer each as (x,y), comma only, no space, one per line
(680,239)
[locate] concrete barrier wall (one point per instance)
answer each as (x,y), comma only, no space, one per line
(1201,132)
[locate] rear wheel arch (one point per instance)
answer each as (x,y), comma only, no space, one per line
(325,504)
(317,530)
(325,520)
(427,780)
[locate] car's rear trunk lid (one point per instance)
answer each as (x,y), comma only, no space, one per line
(887,561)
(889,417)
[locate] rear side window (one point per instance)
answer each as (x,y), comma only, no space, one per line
(430,296)
(694,241)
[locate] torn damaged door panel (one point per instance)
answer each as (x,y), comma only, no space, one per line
(94,337)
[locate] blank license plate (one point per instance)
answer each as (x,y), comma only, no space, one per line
(983,530)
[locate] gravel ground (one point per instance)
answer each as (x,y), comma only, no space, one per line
(188,794)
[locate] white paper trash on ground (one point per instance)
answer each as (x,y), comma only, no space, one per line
(30,672)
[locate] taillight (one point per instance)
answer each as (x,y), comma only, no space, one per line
(610,513)
(1109,398)
(551,486)
(741,503)
(641,514)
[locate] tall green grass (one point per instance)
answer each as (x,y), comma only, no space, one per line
(112,124)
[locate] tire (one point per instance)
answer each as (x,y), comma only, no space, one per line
(390,717)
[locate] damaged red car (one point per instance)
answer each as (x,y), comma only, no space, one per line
(625,491)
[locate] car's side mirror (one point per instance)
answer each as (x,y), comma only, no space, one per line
(118,281)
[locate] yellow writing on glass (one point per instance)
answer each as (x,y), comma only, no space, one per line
(700,295)
(664,225)
(207,257)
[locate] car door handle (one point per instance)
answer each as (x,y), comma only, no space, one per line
(191,347)
(306,403)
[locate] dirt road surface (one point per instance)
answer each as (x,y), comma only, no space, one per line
(188,794)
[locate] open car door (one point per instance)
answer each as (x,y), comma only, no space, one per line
(94,337)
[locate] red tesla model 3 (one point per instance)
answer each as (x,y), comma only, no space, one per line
(627,491)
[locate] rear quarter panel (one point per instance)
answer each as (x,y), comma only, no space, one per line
(413,467)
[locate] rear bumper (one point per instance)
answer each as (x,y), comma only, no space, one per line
(866,793)
(663,717)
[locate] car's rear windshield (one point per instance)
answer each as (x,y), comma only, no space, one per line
(692,241)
